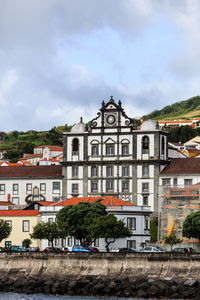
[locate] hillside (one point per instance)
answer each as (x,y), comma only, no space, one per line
(187,109)
(16,143)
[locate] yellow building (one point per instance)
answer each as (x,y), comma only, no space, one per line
(22,223)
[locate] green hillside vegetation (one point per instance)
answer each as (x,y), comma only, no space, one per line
(187,109)
(17,143)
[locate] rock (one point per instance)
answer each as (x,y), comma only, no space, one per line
(191,282)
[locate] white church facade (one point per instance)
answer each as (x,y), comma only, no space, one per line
(110,156)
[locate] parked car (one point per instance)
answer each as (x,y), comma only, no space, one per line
(94,249)
(154,249)
(180,250)
(52,250)
(32,249)
(80,248)
(17,249)
(127,250)
(65,249)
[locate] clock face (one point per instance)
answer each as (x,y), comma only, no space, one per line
(110,119)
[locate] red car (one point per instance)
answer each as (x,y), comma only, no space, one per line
(52,250)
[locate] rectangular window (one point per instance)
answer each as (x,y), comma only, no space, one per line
(109,171)
(145,171)
(94,171)
(146,222)
(175,182)
(95,150)
(8,244)
(94,187)
(110,150)
(69,241)
(42,188)
(74,187)
(125,150)
(56,242)
(15,188)
(125,171)
(15,200)
(29,188)
(74,171)
(131,244)
(56,187)
(25,225)
(2,189)
(131,223)
(145,200)
(166,181)
(125,186)
(36,206)
(63,241)
(96,243)
(187,182)
(145,187)
(109,185)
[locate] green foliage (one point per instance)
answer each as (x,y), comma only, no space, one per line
(26,243)
(48,231)
(172,240)
(182,134)
(54,136)
(176,110)
(13,155)
(191,226)
(110,228)
(154,229)
(5,230)
(75,220)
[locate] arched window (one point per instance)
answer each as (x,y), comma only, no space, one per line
(145,144)
(163,145)
(75,145)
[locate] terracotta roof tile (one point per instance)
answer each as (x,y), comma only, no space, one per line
(105,200)
(19,212)
(6,203)
(31,171)
(182,166)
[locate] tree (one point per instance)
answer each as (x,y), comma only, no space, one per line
(5,230)
(110,228)
(48,231)
(26,243)
(172,240)
(191,226)
(74,220)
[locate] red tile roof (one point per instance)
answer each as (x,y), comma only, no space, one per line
(182,166)
(105,200)
(53,171)
(6,203)
(30,156)
(19,212)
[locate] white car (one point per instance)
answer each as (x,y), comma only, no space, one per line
(151,249)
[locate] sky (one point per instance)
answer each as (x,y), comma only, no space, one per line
(60,58)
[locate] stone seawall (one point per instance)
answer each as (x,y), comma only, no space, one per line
(114,274)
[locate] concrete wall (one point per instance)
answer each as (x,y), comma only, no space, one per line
(104,264)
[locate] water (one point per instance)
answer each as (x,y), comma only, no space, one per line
(13,296)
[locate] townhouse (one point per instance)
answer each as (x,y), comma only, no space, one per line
(137,218)
(24,184)
(22,223)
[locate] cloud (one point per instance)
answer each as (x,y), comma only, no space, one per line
(60,58)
